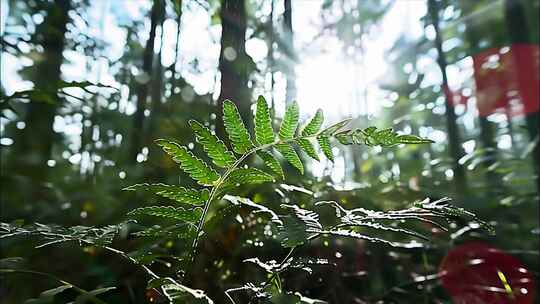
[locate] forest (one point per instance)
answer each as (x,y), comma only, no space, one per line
(270,151)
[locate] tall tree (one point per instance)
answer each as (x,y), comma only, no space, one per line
(137,134)
(157,81)
(38,137)
(456,152)
(234,63)
(290,73)
(519,33)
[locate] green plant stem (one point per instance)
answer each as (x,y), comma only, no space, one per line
(223,178)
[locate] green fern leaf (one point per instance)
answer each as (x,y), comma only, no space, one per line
(264,134)
(324,143)
(314,125)
(178,213)
(176,193)
(212,145)
(194,166)
(333,129)
(413,139)
(290,155)
(289,122)
(241,176)
(271,162)
(307,147)
(238,134)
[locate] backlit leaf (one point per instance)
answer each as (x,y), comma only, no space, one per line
(264,134)
(192,165)
(212,145)
(238,134)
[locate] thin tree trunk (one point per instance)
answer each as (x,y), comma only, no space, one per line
(456,152)
(157,89)
(233,60)
(519,33)
(137,135)
(177,47)
(271,59)
(290,94)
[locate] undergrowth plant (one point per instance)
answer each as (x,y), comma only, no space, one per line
(231,168)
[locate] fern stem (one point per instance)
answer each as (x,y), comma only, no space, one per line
(211,198)
(222,179)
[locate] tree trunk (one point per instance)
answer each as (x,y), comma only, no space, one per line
(38,137)
(456,152)
(519,33)
(234,64)
(290,94)
(157,90)
(137,135)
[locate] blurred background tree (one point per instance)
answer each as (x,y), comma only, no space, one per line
(103,79)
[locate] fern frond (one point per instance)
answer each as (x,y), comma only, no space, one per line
(212,145)
(271,162)
(178,213)
(264,133)
(314,125)
(308,147)
(192,165)
(238,134)
(290,155)
(289,122)
(324,143)
(176,193)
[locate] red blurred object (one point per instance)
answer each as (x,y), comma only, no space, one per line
(507,79)
(475,273)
